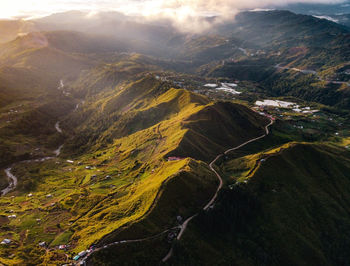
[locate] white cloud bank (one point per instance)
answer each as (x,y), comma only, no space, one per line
(10,8)
(189,13)
(182,12)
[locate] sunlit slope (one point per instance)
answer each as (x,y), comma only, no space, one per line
(114,211)
(144,123)
(187,124)
(293,211)
(218,127)
(84,209)
(125,134)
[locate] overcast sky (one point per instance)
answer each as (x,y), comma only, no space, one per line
(27,8)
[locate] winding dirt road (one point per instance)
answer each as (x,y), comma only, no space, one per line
(82,261)
(57,127)
(12,182)
(211,202)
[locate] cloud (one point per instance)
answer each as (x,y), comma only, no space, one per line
(189,14)
(216,6)
(186,14)
(328,18)
(147,6)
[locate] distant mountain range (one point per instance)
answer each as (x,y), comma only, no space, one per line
(267,38)
(319,9)
(339,13)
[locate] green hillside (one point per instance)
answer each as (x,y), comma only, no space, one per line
(124,135)
(148,102)
(292,211)
(217,128)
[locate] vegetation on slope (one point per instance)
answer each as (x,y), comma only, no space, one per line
(121,174)
(292,211)
(116,181)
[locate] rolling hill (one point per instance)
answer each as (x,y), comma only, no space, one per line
(290,212)
(149,102)
(119,141)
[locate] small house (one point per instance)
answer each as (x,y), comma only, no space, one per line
(173,158)
(6,241)
(179,218)
(82,253)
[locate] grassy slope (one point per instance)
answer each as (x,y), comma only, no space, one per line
(293,212)
(198,128)
(218,127)
(135,127)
